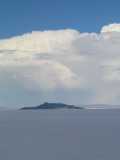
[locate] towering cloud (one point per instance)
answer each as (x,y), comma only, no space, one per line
(63,64)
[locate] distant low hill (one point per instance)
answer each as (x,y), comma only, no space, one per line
(52,106)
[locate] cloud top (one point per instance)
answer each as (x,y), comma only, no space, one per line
(111,28)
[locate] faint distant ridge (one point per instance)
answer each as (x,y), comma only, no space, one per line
(47,105)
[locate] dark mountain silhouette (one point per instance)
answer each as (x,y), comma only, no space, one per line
(52,106)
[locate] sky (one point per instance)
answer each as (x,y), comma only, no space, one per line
(21,16)
(59,51)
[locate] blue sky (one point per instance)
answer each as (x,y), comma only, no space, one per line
(21,16)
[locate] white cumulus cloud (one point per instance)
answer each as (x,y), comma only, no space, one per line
(62,64)
(111,28)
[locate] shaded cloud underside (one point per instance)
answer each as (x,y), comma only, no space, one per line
(63,61)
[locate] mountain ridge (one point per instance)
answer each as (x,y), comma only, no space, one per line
(47,105)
